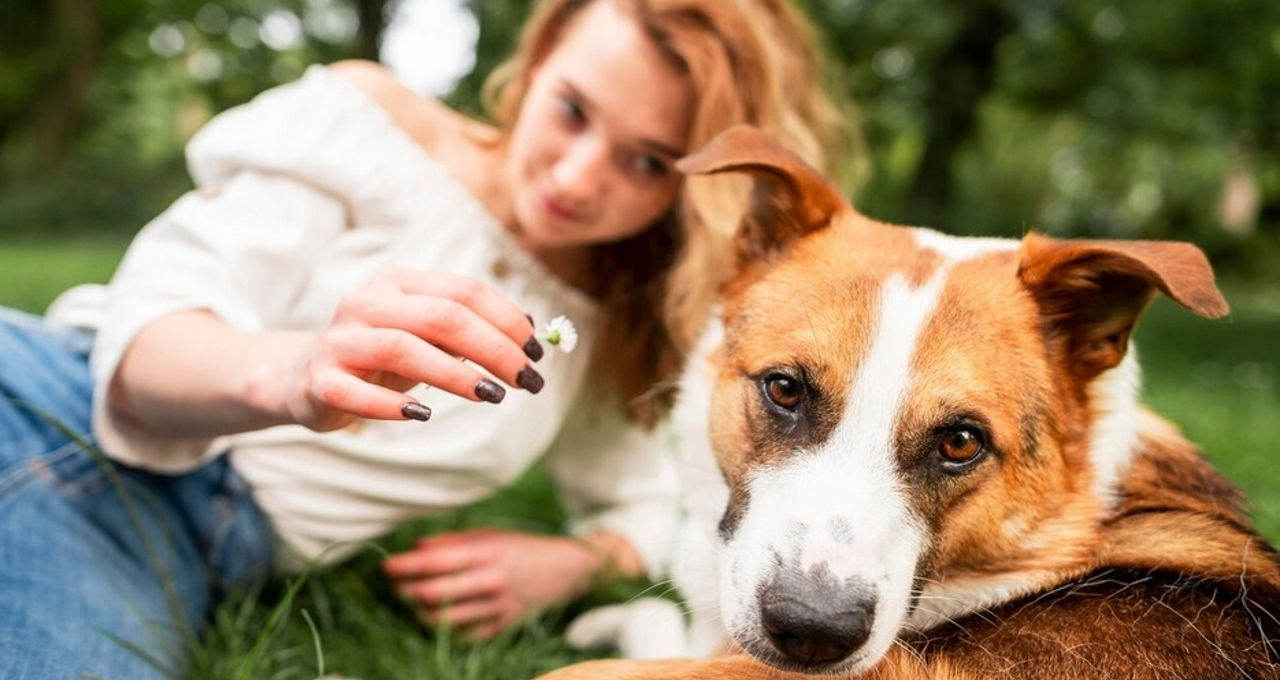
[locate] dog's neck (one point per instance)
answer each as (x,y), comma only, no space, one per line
(1113,398)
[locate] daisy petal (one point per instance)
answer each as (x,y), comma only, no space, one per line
(561,333)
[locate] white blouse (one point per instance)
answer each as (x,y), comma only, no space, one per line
(302,195)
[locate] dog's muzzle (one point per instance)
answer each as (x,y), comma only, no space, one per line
(815,620)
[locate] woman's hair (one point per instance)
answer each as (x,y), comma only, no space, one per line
(749,61)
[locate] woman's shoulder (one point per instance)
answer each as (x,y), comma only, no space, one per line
(329,129)
(429,122)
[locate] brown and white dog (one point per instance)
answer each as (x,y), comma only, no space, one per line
(930,462)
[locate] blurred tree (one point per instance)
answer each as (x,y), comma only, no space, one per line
(50,55)
(1102,117)
(936,59)
(97,97)
(500,23)
(372,15)
(1151,118)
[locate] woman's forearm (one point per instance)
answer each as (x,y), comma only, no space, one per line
(189,374)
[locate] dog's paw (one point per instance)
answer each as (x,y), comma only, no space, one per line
(648,628)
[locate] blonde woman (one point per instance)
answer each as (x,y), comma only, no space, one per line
(263,357)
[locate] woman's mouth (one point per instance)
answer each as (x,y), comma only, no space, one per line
(559,209)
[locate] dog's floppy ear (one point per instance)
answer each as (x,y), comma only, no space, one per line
(1090,293)
(789,198)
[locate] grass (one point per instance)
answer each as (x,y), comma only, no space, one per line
(1219,380)
(346,621)
(33,272)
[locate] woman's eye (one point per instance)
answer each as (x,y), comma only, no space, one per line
(961,445)
(649,166)
(570,111)
(783,391)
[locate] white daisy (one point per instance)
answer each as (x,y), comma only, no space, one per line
(561,333)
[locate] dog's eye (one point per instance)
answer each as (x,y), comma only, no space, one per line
(783,391)
(960,444)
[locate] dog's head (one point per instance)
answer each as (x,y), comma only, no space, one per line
(912,426)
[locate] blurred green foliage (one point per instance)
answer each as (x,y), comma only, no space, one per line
(1125,118)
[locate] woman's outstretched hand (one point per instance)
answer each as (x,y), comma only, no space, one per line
(484,580)
(403,328)
(188,373)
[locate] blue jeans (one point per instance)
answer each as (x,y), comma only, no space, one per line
(105,571)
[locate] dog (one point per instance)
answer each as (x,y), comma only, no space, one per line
(912,455)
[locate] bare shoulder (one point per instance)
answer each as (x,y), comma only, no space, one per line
(429,122)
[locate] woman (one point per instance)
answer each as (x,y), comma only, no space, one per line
(265,340)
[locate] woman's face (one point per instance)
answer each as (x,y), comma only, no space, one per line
(604,119)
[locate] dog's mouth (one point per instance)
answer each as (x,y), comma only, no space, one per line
(809,622)
(766,650)
(819,617)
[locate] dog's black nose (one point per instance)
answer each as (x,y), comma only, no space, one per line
(815,621)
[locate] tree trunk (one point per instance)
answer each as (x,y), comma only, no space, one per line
(373,18)
(965,73)
(59,109)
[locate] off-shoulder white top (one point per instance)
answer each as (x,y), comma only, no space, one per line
(302,195)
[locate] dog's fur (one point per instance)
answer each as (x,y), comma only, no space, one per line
(1086,538)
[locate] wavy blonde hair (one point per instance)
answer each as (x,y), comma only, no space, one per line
(749,61)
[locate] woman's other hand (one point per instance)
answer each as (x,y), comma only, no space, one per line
(484,580)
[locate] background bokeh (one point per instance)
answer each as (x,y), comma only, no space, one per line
(1108,118)
(1129,118)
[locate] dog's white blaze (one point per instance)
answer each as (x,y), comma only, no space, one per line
(957,248)
(1113,400)
(851,477)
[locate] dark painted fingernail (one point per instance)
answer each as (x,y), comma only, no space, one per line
(416,411)
(531,323)
(532,348)
(529,379)
(490,391)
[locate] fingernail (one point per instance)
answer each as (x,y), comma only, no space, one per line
(531,323)
(490,391)
(529,380)
(532,348)
(416,411)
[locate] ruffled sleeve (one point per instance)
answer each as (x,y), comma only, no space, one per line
(277,180)
(616,476)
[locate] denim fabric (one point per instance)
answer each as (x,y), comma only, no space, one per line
(105,571)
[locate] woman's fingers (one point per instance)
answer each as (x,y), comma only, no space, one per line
(459,331)
(487,629)
(407,327)
(348,394)
(457,587)
(483,611)
(406,355)
(421,562)
(476,296)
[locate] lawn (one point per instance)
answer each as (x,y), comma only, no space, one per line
(1219,380)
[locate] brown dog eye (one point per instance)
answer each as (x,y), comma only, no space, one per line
(960,445)
(783,391)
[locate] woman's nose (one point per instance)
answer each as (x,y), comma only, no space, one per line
(580,172)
